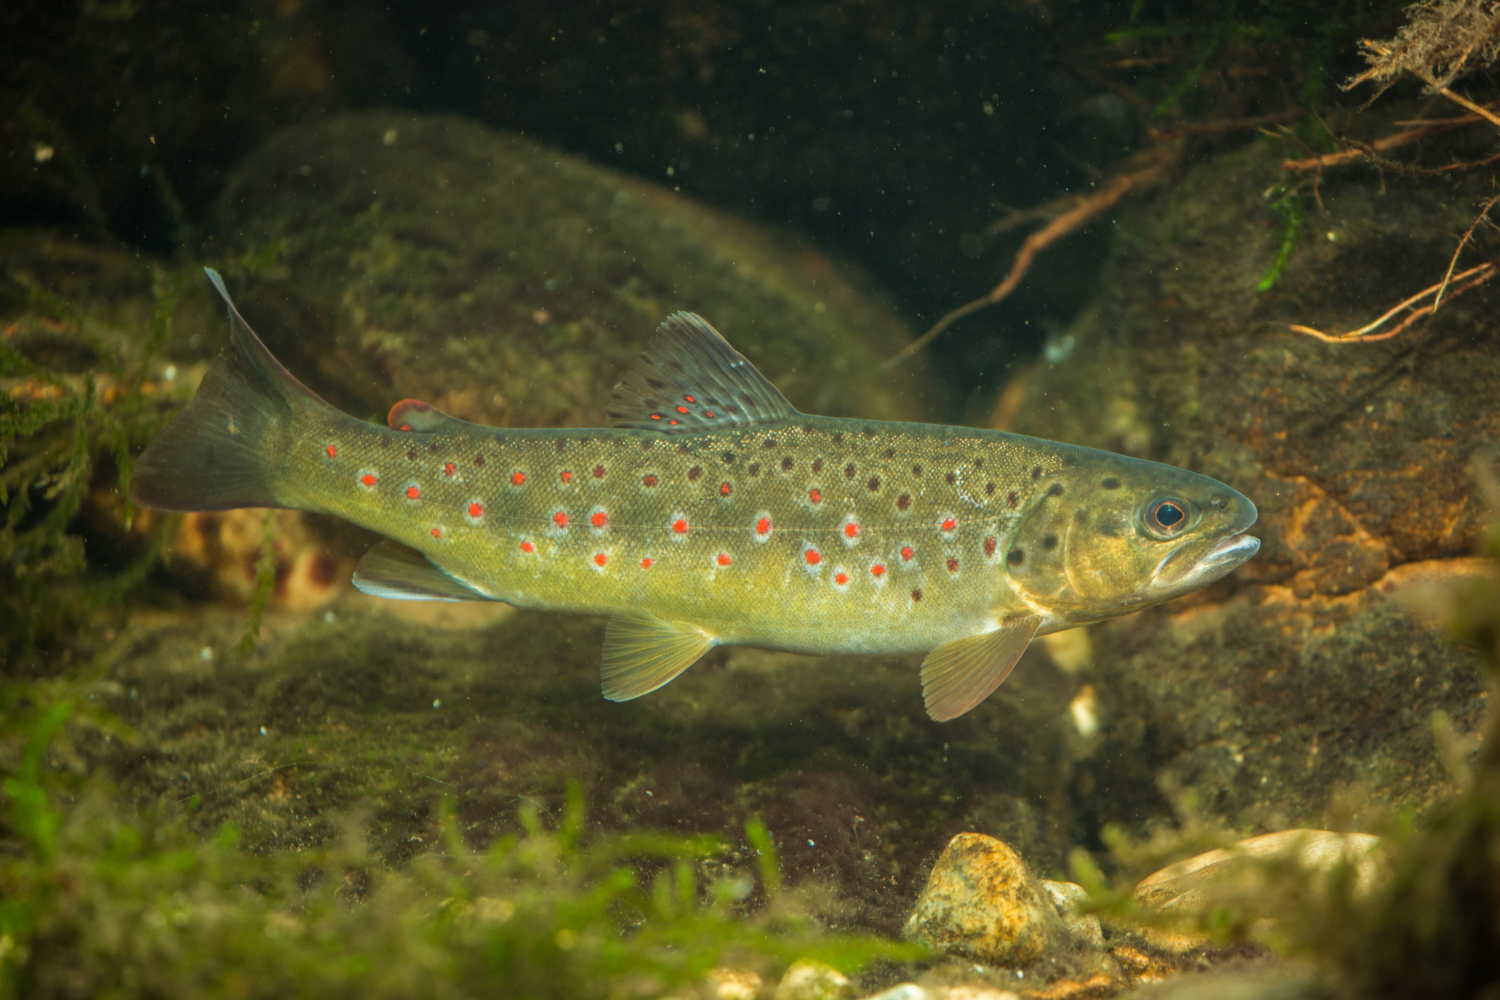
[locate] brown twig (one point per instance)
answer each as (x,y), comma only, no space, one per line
(1153,164)
(1461,244)
(1471,279)
(1381,145)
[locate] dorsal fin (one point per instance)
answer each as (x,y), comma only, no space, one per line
(415,415)
(689,379)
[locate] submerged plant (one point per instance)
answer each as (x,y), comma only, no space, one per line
(96,904)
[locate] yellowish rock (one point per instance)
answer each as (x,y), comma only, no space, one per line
(733,984)
(983,903)
(809,980)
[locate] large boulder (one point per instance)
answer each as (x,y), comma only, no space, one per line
(386,255)
(1267,694)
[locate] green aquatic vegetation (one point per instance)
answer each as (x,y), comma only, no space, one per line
(96,903)
(1286,201)
(58,429)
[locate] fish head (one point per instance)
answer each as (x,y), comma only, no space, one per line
(1114,534)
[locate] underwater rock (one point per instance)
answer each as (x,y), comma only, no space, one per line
(810,980)
(385,255)
(1265,695)
(1187,885)
(983,903)
(1083,926)
(733,984)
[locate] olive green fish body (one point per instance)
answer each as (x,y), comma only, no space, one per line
(712,513)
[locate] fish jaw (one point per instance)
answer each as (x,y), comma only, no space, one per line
(1232,551)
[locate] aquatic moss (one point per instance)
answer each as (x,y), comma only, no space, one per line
(96,903)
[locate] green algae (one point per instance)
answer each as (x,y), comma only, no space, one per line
(99,902)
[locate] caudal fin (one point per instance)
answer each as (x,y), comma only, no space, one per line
(221,450)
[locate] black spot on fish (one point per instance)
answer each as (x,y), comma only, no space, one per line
(903,501)
(499,438)
(1111,483)
(770,442)
(675,365)
(978,463)
(916,470)
(653,404)
(385,442)
(754,468)
(950,478)
(868,432)
(890,453)
(598,472)
(728,457)
(916,595)
(694,473)
(432,447)
(787,463)
(411,456)
(1036,473)
(1055,490)
(646,444)
(849,471)
(874,484)
(1011,499)
(656,383)
(838,438)
(683,449)
(561,444)
(807,428)
(479,461)
(1049,542)
(1015,557)
(989,489)
(817,465)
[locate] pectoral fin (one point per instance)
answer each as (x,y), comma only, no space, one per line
(642,652)
(960,674)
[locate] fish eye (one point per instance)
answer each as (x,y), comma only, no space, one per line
(1167,516)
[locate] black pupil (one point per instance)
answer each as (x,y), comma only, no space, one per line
(1168,514)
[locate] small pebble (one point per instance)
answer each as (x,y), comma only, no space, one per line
(809,980)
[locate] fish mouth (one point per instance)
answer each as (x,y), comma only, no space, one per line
(1219,561)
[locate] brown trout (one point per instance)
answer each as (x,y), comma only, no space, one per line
(709,512)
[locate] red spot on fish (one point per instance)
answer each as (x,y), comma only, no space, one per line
(690,399)
(649,481)
(600,559)
(449,468)
(333,451)
(709,414)
(368,479)
(763,526)
(600,519)
(952,565)
(682,409)
(989,546)
(476,509)
(567,477)
(877,570)
(598,472)
(851,529)
(680,526)
(949,524)
(723,559)
(647,563)
(816,496)
(517,478)
(413,493)
(404,427)
(725,489)
(907,554)
(437,532)
(560,519)
(813,557)
(841,578)
(654,416)
(527,547)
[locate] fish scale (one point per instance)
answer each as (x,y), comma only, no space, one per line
(710,512)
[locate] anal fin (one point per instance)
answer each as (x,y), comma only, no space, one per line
(642,652)
(960,674)
(394,571)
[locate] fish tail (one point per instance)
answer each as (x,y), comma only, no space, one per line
(222,451)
